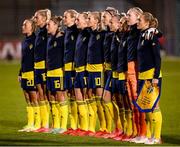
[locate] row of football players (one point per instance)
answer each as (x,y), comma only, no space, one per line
(89,71)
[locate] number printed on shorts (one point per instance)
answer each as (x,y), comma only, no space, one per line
(85,80)
(72,80)
(57,84)
(30,82)
(43,76)
(110,84)
(98,81)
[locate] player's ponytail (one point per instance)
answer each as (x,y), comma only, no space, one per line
(148,17)
(48,15)
(60,23)
(154,23)
(124,24)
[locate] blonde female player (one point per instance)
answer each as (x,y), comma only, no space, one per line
(27,73)
(71,33)
(149,68)
(95,68)
(80,81)
(41,18)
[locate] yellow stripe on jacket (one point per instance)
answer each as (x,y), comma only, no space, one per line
(55,73)
(95,67)
(122,76)
(149,74)
(39,65)
(80,69)
(69,66)
(28,75)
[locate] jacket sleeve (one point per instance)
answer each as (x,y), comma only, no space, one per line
(157,57)
(20,72)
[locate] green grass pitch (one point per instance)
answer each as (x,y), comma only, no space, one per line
(13,114)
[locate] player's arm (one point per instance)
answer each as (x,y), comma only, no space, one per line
(156,52)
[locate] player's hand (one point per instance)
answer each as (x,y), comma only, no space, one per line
(19,78)
(148,35)
(155,82)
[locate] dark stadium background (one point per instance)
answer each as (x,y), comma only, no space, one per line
(13,12)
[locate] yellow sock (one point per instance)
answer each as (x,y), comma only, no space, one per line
(94,107)
(129,129)
(37,117)
(30,115)
(157,123)
(64,114)
(44,114)
(83,115)
(117,119)
(87,110)
(123,119)
(148,124)
(86,106)
(91,117)
(55,115)
(109,115)
(73,116)
(48,106)
(100,112)
(59,108)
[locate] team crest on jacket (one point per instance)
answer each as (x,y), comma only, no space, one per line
(117,38)
(72,37)
(84,39)
(55,44)
(98,37)
(142,42)
(124,43)
(30,46)
(43,37)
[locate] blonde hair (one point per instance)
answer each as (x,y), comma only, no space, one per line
(45,13)
(138,11)
(73,13)
(85,14)
(112,11)
(32,24)
(97,16)
(154,23)
(124,24)
(148,17)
